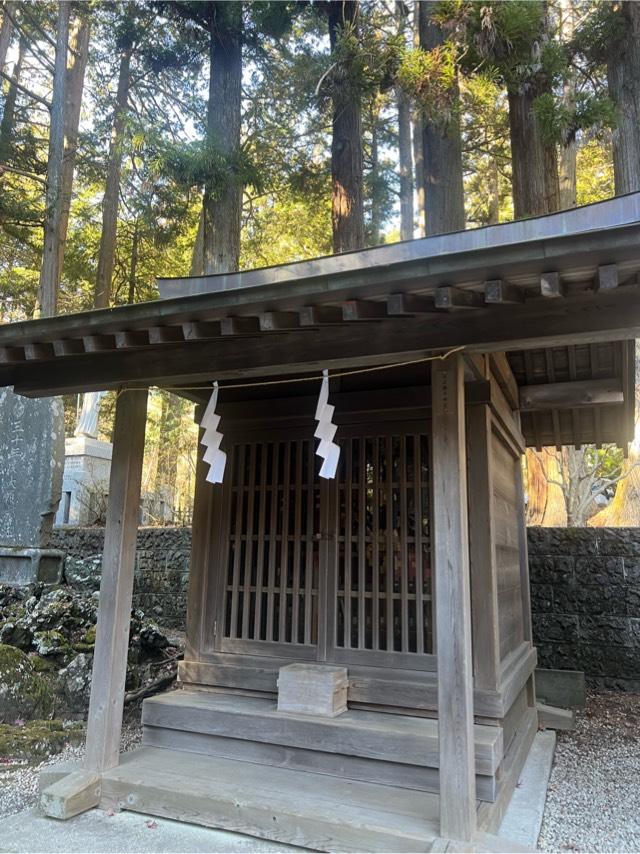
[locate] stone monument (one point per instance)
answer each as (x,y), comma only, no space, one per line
(87,465)
(31,459)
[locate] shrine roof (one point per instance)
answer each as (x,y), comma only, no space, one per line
(560,294)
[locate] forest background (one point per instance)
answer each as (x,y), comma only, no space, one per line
(144,139)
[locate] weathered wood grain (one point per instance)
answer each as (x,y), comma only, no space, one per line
(453,602)
(116,587)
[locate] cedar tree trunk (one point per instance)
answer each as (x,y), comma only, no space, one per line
(536,188)
(222,202)
(623,76)
(405,156)
(75,84)
(8,114)
(347,211)
(442,148)
(107,253)
(49,270)
(6,31)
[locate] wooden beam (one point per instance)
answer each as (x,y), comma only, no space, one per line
(11,355)
(453,602)
(551,286)
(278,321)
(359,309)
(320,315)
(570,395)
(104,722)
(199,329)
(537,323)
(239,325)
(497,292)
(504,377)
(38,352)
(75,793)
(401,304)
(132,338)
(448,298)
(98,343)
(165,334)
(607,278)
(68,347)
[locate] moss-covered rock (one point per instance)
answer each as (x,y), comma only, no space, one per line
(23,692)
(50,642)
(38,738)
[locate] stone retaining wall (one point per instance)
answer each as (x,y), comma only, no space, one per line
(162,567)
(585,599)
(585,592)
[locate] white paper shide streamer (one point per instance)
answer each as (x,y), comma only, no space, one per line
(211,439)
(328,450)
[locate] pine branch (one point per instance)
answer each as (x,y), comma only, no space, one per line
(24,89)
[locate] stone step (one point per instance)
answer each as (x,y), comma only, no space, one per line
(395,749)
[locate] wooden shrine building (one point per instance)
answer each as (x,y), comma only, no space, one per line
(402,582)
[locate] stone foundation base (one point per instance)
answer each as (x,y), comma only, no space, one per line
(20,566)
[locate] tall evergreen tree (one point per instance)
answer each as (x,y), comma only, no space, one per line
(347,209)
(50,267)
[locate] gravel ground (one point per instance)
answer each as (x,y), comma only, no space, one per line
(593,800)
(19,780)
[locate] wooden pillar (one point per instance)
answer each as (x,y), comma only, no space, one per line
(484,585)
(80,790)
(453,604)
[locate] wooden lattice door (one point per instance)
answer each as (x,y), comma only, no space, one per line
(382,573)
(333,570)
(270,556)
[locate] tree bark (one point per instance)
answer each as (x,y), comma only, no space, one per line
(75,85)
(536,188)
(49,270)
(623,77)
(376,214)
(107,252)
(197,255)
(442,147)
(222,205)
(405,156)
(8,114)
(6,32)
(347,211)
(133,266)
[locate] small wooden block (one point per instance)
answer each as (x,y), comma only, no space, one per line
(551,717)
(313,689)
(551,286)
(72,795)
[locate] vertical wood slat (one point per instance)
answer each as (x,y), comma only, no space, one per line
(362,543)
(310,549)
(348,525)
(260,544)
(484,584)
(237,535)
(248,539)
(389,585)
(284,553)
(295,609)
(116,585)
(273,544)
(375,582)
(417,486)
(404,554)
(453,603)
